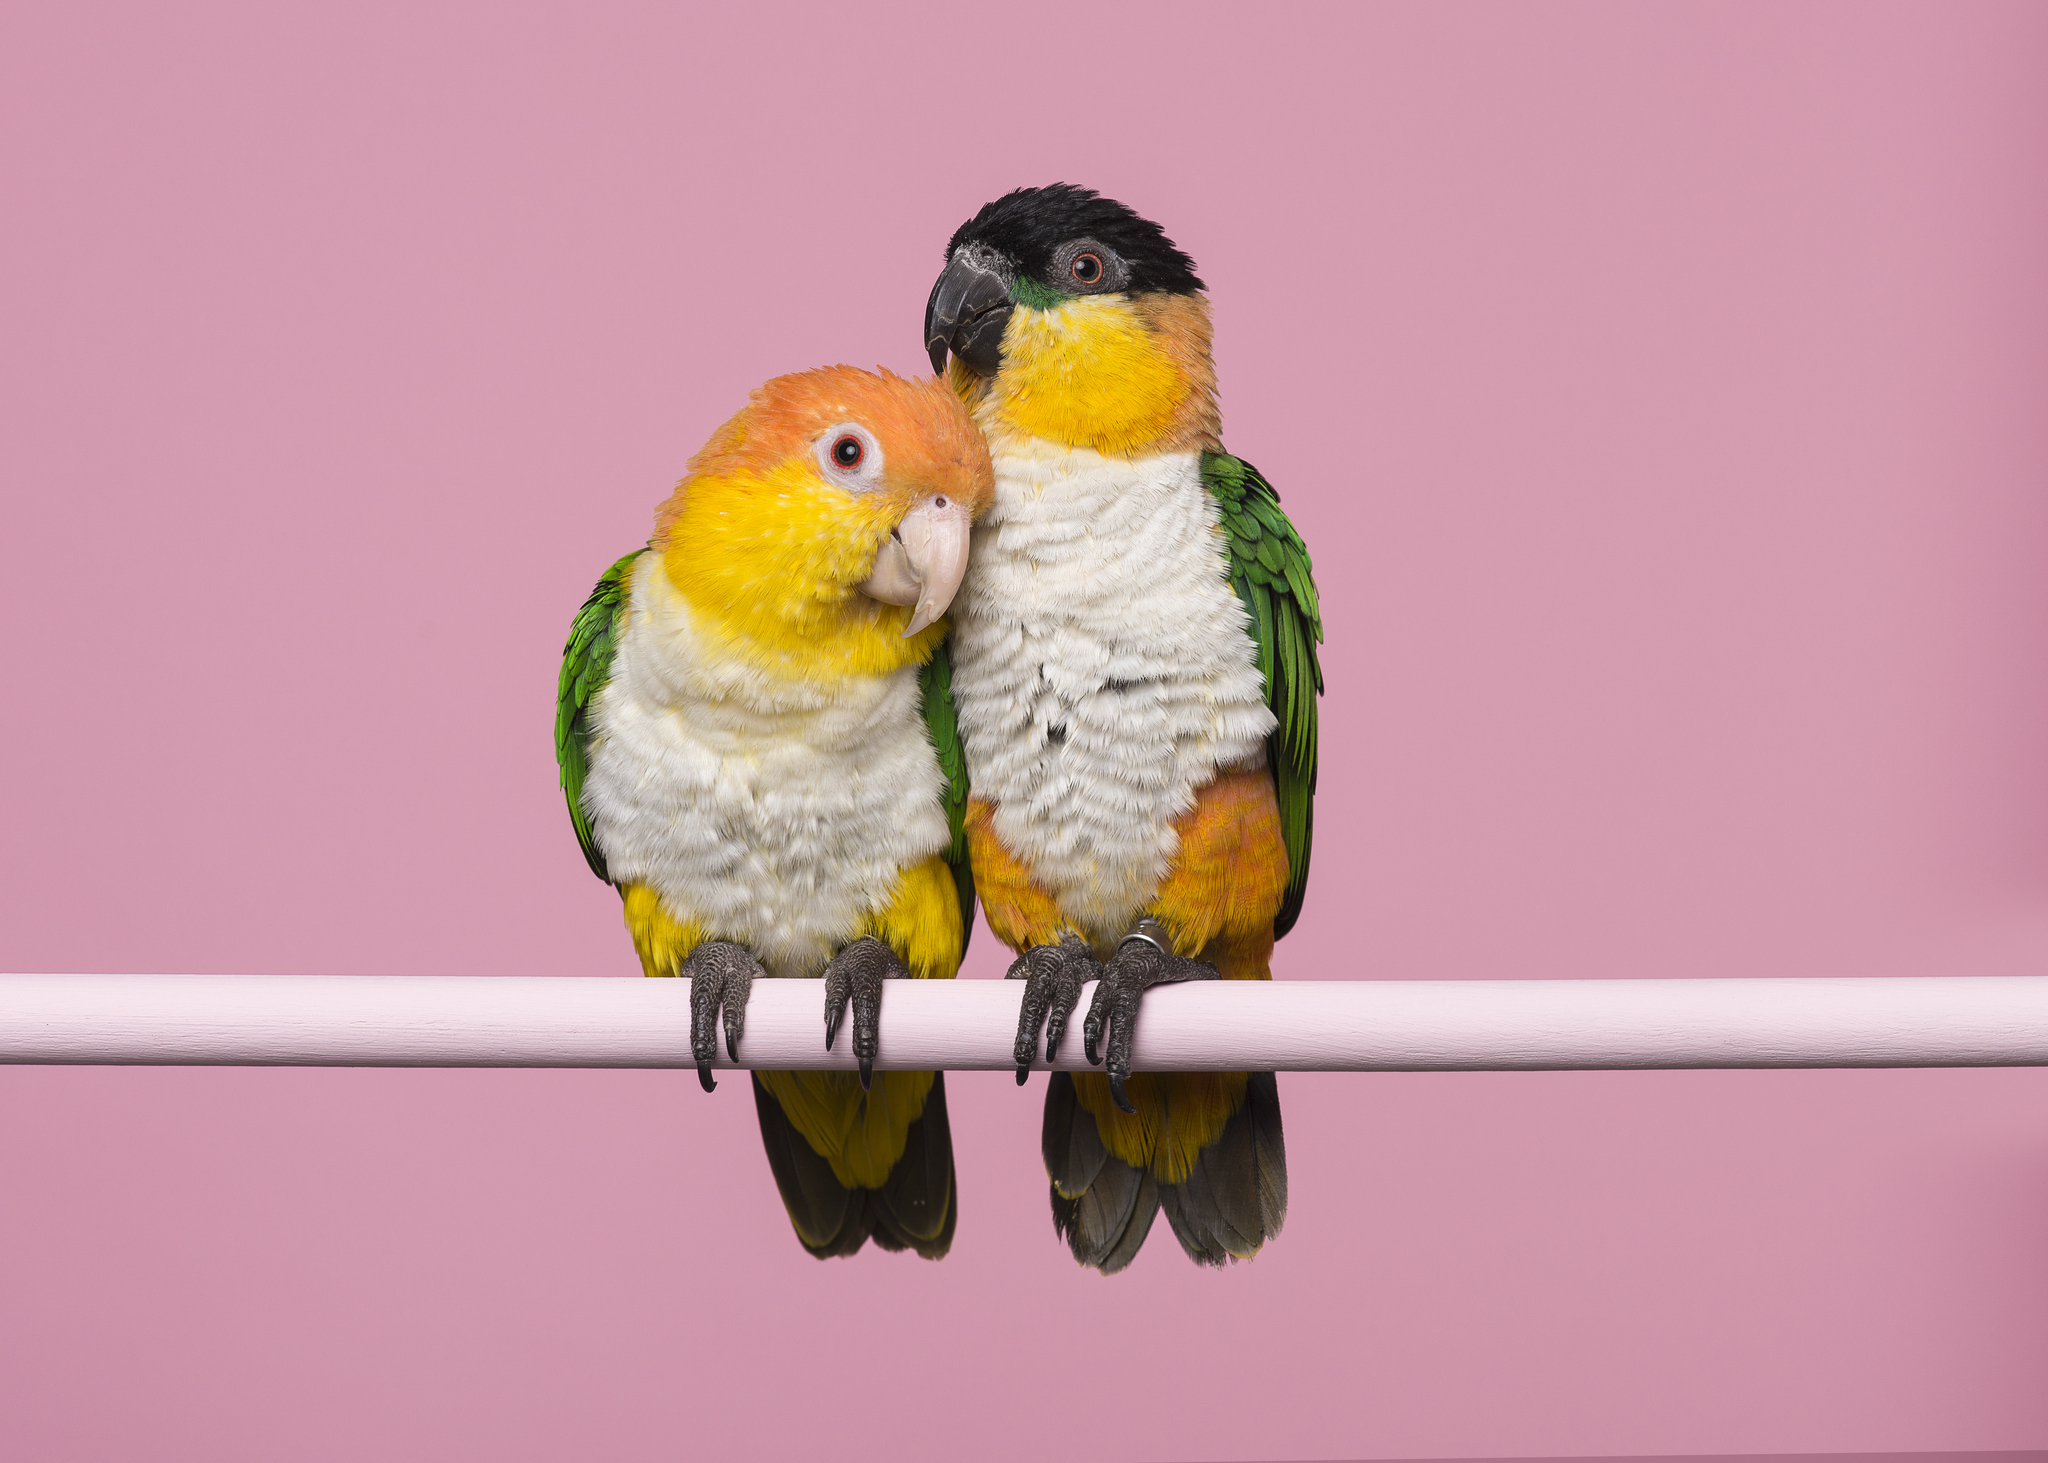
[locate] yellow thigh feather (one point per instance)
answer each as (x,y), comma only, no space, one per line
(861,1134)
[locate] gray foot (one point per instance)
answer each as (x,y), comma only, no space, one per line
(721,974)
(1138,965)
(856,974)
(1053,976)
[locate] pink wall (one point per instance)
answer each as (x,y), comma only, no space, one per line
(1662,392)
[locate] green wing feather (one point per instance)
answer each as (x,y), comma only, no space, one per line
(586,666)
(935,682)
(1270,570)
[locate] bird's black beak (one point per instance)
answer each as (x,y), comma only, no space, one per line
(968,309)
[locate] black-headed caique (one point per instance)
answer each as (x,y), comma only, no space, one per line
(758,748)
(1135,672)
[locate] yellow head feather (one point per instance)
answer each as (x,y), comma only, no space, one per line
(1124,374)
(768,553)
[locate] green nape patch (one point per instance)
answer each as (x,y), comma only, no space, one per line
(1028,291)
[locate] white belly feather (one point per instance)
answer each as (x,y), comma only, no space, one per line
(1103,669)
(775,813)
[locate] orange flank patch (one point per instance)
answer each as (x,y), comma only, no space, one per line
(1225,884)
(1019,911)
(1217,901)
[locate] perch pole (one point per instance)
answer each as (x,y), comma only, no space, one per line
(968,1025)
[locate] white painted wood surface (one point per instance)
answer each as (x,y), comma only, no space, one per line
(1306,1026)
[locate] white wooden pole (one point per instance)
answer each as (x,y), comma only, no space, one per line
(1320,1026)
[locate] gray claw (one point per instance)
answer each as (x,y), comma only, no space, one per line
(835,1005)
(855,976)
(721,974)
(1137,966)
(1116,1093)
(1053,976)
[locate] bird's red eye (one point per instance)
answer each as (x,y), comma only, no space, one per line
(1086,268)
(847,452)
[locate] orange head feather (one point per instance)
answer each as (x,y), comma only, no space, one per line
(772,545)
(931,443)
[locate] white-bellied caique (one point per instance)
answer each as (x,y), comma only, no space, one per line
(1135,673)
(758,748)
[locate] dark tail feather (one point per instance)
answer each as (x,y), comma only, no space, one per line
(919,1205)
(1101,1206)
(915,1209)
(1072,1147)
(1262,1102)
(1235,1199)
(830,1219)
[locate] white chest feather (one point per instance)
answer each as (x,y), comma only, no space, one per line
(1103,669)
(774,813)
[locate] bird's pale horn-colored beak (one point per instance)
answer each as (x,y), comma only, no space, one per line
(922,560)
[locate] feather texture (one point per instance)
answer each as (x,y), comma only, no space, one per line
(1103,669)
(1105,1220)
(1234,1197)
(774,812)
(1136,676)
(935,693)
(915,1208)
(586,666)
(755,752)
(1271,572)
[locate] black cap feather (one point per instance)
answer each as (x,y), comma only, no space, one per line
(1027,225)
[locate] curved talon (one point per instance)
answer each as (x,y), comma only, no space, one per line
(835,1008)
(855,977)
(1026,1044)
(1097,1024)
(1140,963)
(721,975)
(1053,976)
(1116,1093)
(1056,1023)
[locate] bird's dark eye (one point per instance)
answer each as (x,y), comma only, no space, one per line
(847,452)
(1086,268)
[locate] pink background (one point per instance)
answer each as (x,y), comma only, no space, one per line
(1662,393)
